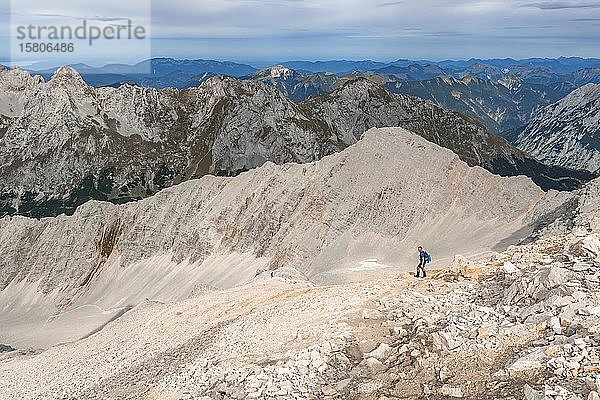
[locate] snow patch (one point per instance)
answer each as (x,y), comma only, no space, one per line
(279,71)
(370,265)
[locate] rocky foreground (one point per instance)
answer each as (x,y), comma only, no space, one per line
(522,325)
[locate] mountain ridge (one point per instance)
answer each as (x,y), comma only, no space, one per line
(74,143)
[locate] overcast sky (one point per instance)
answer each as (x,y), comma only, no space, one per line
(276,30)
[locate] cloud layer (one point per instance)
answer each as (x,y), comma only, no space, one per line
(269,30)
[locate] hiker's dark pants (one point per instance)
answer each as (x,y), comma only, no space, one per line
(421,267)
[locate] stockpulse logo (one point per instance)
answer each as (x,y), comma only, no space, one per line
(49,38)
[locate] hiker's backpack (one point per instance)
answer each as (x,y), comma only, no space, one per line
(427,257)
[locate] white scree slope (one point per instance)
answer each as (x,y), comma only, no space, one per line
(378,199)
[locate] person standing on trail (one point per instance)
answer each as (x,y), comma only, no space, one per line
(424,258)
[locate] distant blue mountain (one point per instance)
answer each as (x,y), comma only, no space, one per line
(156,72)
(561,65)
(411,72)
(165,66)
(335,66)
(169,72)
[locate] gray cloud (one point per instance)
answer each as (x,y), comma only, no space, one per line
(89,18)
(393,3)
(106,19)
(561,5)
(382,29)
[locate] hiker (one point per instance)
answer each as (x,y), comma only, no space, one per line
(424,258)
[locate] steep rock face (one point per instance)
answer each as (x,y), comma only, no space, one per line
(567,132)
(356,105)
(14,85)
(72,143)
(371,105)
(254,123)
(322,219)
(131,110)
(500,105)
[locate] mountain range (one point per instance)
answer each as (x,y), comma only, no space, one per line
(64,142)
(502,94)
(576,70)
